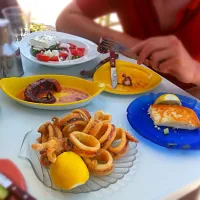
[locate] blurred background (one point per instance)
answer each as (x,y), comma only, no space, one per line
(41,15)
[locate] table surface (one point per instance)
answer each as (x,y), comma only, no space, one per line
(157,172)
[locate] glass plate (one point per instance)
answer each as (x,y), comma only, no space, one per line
(121,167)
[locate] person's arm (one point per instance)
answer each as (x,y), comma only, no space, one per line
(72,20)
(168,55)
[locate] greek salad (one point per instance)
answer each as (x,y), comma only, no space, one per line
(48,48)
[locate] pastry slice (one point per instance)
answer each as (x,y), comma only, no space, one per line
(174,116)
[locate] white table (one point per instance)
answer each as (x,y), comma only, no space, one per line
(157,172)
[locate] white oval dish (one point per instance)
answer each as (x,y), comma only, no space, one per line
(91,49)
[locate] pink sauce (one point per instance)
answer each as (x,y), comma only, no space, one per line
(72,95)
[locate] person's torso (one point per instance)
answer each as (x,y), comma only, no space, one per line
(149,18)
(167,11)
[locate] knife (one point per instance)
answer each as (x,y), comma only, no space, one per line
(90,73)
(13,189)
(113,70)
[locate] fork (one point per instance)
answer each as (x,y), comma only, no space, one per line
(111,45)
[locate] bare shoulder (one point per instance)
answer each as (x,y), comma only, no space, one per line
(72,8)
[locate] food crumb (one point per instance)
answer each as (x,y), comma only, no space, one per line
(127,80)
(166,131)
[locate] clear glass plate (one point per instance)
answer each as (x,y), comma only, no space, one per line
(121,167)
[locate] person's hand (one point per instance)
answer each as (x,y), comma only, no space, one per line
(169,56)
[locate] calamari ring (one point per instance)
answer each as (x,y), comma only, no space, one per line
(130,137)
(84,145)
(101,164)
(109,139)
(122,152)
(73,126)
(104,132)
(90,124)
(90,162)
(83,113)
(120,134)
(72,117)
(93,127)
(101,116)
(96,128)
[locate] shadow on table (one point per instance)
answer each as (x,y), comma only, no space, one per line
(32,68)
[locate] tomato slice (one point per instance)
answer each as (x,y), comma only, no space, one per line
(42,57)
(63,55)
(81,49)
(74,52)
(54,58)
(72,46)
(80,53)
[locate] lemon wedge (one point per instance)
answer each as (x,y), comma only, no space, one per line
(168,99)
(69,171)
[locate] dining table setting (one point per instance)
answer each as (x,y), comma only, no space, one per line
(80,120)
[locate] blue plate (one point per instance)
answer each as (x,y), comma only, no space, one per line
(139,119)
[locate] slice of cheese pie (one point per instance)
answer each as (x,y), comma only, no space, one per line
(174,116)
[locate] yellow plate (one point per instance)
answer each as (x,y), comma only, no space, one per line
(143,79)
(13,86)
